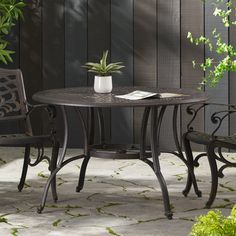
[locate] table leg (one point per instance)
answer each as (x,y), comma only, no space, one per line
(101,125)
(155,133)
(59,164)
(143,133)
(88,138)
(189,163)
(143,146)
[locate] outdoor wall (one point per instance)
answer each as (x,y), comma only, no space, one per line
(149,36)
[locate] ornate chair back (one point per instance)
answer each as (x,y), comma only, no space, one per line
(13,102)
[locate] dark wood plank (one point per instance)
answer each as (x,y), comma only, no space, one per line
(122,50)
(168,59)
(54,50)
(145,47)
(220,93)
(75,57)
(53,44)
(99,31)
(192,20)
(31,55)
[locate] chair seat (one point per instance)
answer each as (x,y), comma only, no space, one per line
(22,139)
(203,138)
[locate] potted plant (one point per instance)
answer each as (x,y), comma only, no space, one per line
(213,67)
(10,12)
(214,223)
(103,71)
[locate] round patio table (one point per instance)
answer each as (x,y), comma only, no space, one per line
(85,97)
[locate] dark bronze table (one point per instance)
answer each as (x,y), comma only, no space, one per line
(86,97)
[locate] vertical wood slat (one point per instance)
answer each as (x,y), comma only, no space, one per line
(191,12)
(168,60)
(31,56)
(75,57)
(43,30)
(218,94)
(145,48)
(53,44)
(122,50)
(99,41)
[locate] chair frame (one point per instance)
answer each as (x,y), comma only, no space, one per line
(213,144)
(13,88)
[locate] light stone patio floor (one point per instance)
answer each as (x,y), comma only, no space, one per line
(119,198)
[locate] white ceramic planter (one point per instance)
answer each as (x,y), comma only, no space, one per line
(103,84)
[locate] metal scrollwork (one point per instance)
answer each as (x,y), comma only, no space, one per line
(218,118)
(9,96)
(40,157)
(226,163)
(191,110)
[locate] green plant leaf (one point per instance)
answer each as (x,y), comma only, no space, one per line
(214,223)
(10,11)
(215,68)
(103,68)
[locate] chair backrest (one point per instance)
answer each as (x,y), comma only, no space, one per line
(13,102)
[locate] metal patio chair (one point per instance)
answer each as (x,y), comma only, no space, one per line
(213,144)
(15,108)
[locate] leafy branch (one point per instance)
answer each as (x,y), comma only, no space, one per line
(214,68)
(10,12)
(215,223)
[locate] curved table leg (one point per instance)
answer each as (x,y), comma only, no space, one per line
(143,133)
(191,179)
(59,164)
(189,162)
(53,166)
(25,168)
(101,125)
(88,138)
(155,133)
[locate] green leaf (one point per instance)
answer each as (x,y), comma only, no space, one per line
(216,68)
(56,222)
(216,224)
(10,11)
(14,232)
(103,68)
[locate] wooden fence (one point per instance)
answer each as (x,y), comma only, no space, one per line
(57,37)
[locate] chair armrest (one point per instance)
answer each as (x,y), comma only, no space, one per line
(219,116)
(12,118)
(195,108)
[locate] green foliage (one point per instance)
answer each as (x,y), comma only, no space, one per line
(215,224)
(56,222)
(102,68)
(14,232)
(10,12)
(215,69)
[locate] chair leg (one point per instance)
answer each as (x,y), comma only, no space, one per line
(46,188)
(25,168)
(191,176)
(214,175)
(53,165)
(82,174)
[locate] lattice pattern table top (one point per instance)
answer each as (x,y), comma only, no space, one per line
(86,97)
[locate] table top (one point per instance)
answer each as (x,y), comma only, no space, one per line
(86,97)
